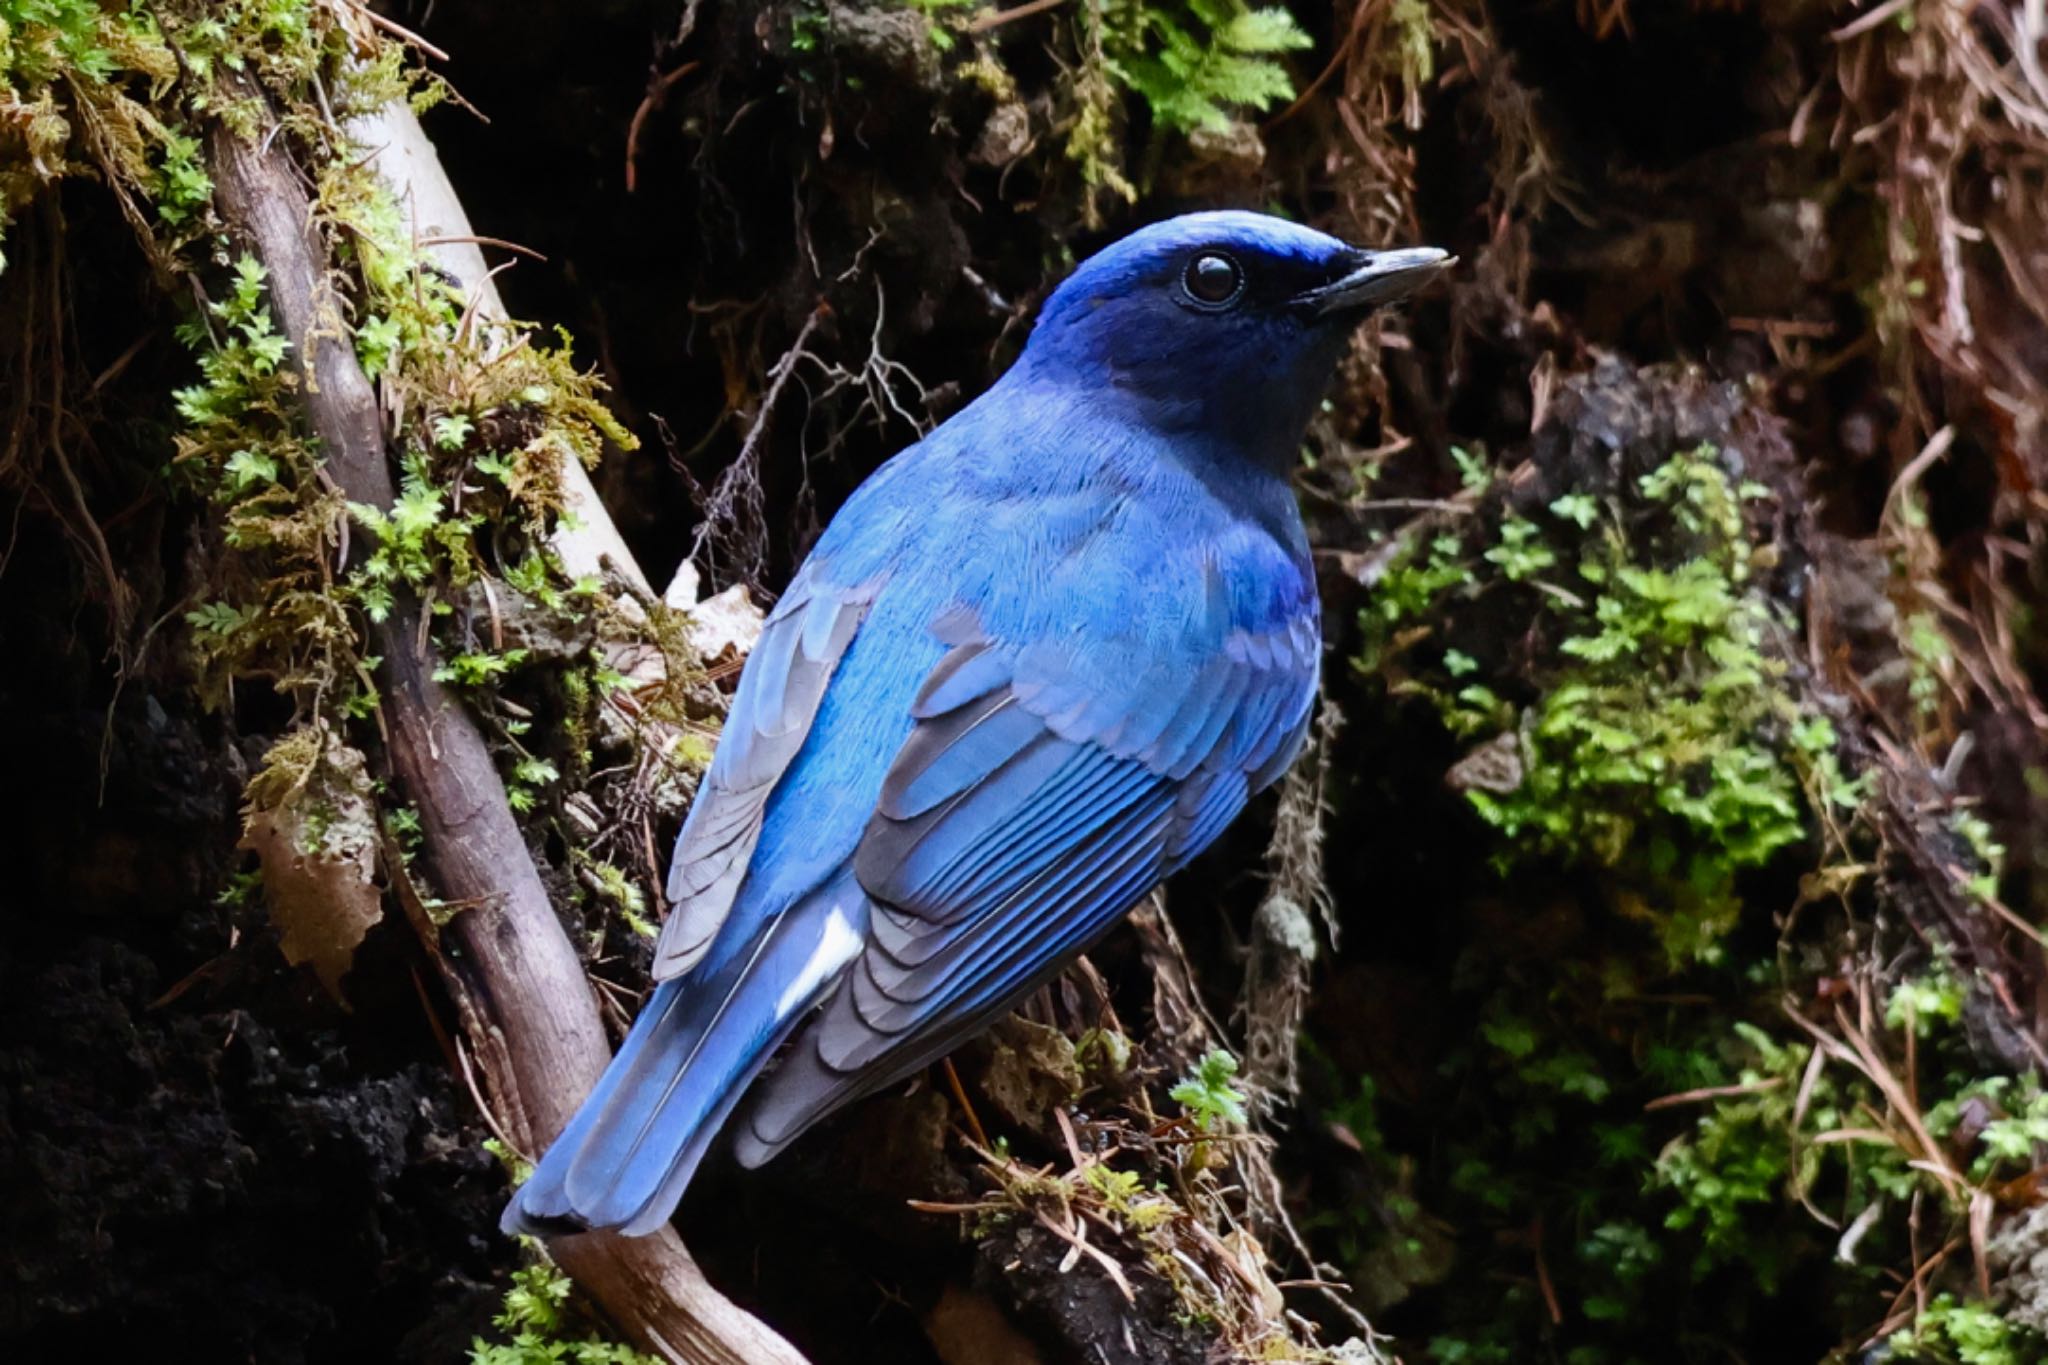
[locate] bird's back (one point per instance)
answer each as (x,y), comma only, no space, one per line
(1065,537)
(1034,665)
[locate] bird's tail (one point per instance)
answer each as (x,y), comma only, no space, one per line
(626,1157)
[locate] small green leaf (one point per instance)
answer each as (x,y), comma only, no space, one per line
(246,469)
(452,431)
(1207,1094)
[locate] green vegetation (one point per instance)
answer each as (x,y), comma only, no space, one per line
(1662,747)
(1198,63)
(70,74)
(1197,66)
(483,418)
(1689,1065)
(1641,745)
(484,415)
(1208,1096)
(1954,1333)
(541,1329)
(1151,1194)
(937,11)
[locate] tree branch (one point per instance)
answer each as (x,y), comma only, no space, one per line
(405,158)
(537,1024)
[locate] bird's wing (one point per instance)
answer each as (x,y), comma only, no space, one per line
(772,710)
(1046,787)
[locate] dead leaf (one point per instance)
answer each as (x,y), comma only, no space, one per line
(1495,766)
(721,628)
(316,836)
(1031,1071)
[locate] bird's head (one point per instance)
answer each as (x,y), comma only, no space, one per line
(1224,326)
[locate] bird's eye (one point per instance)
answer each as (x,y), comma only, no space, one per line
(1212,279)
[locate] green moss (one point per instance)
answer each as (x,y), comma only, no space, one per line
(1417,582)
(1736,1167)
(618,890)
(1925,1001)
(1663,746)
(75,76)
(1638,742)
(483,417)
(1830,1135)
(1952,1332)
(274,613)
(1986,853)
(540,1328)
(1640,1220)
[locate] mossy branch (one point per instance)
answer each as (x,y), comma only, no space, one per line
(513,969)
(585,538)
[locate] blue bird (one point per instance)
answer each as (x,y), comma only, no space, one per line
(1036,663)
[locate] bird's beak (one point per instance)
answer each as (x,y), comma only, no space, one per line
(1375,277)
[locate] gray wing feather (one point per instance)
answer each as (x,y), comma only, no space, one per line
(771,716)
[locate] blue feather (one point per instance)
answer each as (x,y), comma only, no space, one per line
(625,1158)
